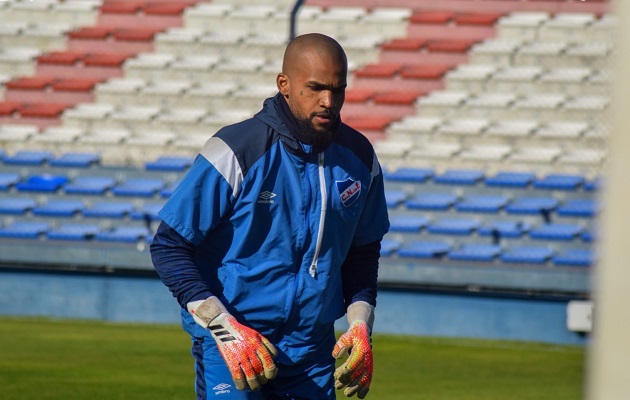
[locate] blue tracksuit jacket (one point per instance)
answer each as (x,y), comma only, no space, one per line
(270,225)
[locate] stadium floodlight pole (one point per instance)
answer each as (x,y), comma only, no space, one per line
(294,11)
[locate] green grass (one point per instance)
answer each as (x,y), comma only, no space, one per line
(52,359)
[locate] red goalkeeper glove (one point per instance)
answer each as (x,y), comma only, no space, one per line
(355,374)
(247,354)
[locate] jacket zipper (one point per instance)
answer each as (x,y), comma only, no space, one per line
(322,214)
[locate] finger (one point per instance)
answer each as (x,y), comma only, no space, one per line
(351,390)
(271,372)
(240,384)
(272,349)
(363,391)
(252,382)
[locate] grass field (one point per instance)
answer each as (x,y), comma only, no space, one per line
(52,359)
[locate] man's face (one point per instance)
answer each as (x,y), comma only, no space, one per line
(315,91)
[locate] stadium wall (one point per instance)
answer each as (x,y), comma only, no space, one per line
(144,299)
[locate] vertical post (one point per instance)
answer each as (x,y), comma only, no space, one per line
(294,11)
(608,373)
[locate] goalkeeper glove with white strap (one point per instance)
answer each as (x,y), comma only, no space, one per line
(355,374)
(247,354)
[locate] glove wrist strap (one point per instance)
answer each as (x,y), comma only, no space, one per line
(361,311)
(204,311)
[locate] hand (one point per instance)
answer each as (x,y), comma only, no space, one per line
(356,371)
(246,352)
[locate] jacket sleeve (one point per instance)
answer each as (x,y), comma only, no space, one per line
(359,273)
(172,257)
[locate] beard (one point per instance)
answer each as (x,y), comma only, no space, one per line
(318,138)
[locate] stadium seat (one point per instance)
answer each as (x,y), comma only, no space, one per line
(79,232)
(414,175)
(16,205)
(575,257)
(389,247)
(89,185)
(126,234)
(459,177)
(59,208)
(482,204)
(526,254)
(578,208)
(556,231)
(424,249)
(169,163)
(407,223)
(42,183)
(475,252)
(503,229)
(28,157)
(147,212)
(143,187)
(395,198)
(108,209)
(8,180)
(75,160)
(559,182)
(168,190)
(510,179)
(453,226)
(531,205)
(24,229)
(432,201)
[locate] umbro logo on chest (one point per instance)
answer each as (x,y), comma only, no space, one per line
(266,197)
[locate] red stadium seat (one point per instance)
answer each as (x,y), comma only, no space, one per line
(135,34)
(487,19)
(75,85)
(405,44)
(106,60)
(397,97)
(8,108)
(384,70)
(29,83)
(424,71)
(61,57)
(359,95)
(450,46)
(369,122)
(90,32)
(431,17)
(41,110)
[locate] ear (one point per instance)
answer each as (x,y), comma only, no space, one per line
(282,81)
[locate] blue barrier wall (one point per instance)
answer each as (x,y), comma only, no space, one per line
(145,299)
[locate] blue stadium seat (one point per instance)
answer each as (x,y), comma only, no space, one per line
(575,257)
(459,177)
(42,183)
(394,198)
(8,179)
(531,205)
(27,157)
(16,206)
(147,211)
(169,163)
(592,185)
(413,175)
(431,201)
(508,229)
(59,208)
(475,252)
(74,232)
(24,230)
(482,204)
(578,208)
(108,209)
(424,249)
(559,182)
(588,236)
(90,185)
(407,223)
(510,179)
(169,189)
(389,246)
(556,232)
(142,187)
(128,234)
(75,160)
(453,226)
(526,254)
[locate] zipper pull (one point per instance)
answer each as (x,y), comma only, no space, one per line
(313,270)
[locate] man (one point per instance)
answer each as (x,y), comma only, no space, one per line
(273,234)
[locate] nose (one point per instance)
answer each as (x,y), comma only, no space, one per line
(326,99)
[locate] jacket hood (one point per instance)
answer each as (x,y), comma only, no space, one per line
(276,114)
